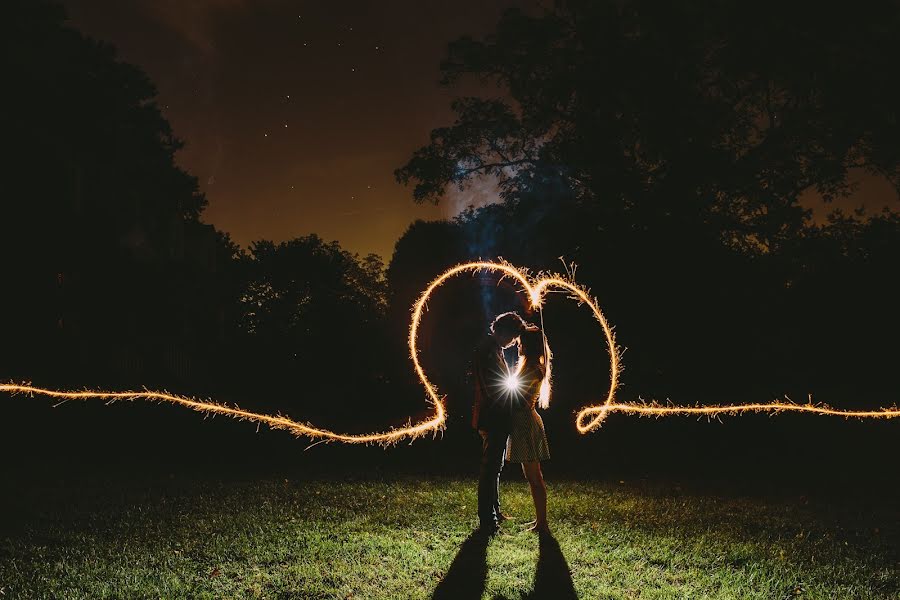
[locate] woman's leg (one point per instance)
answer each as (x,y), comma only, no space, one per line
(535,479)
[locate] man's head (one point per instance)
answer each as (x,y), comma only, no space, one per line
(507,327)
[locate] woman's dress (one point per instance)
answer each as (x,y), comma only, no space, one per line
(527,441)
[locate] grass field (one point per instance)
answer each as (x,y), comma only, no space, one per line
(410,538)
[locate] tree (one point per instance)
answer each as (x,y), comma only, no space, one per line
(306,289)
(312,318)
(103,242)
(680,113)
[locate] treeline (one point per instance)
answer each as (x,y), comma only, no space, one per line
(669,170)
(110,276)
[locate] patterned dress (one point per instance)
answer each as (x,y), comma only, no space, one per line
(527,441)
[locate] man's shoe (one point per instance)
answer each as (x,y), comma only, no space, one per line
(501,517)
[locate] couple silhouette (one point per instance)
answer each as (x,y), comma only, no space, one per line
(511,430)
(505,415)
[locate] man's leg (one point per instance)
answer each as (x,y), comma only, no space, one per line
(492,454)
(485,482)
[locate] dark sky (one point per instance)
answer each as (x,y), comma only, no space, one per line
(295,114)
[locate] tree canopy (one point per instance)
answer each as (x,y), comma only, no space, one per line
(102,236)
(716,112)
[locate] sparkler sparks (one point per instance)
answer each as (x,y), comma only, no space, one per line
(587,419)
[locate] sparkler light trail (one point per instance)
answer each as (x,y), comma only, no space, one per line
(587,419)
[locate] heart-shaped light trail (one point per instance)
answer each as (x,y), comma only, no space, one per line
(588,418)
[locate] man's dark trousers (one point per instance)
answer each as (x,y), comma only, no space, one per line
(493,453)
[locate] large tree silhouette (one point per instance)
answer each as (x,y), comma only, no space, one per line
(723,113)
(101,239)
(311,320)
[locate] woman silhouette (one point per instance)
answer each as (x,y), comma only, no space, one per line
(527,440)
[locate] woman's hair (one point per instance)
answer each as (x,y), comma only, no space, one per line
(536,353)
(533,349)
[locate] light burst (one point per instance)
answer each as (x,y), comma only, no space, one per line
(535,287)
(512,383)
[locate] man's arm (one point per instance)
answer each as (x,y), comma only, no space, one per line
(491,369)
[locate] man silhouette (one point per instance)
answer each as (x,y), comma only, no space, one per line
(491,414)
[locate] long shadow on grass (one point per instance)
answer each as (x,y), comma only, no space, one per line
(467,574)
(553,578)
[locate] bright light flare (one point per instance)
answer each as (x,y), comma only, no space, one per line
(535,287)
(512,383)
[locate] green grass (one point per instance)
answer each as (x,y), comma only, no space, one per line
(399,539)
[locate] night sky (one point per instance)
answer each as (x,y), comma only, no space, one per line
(295,114)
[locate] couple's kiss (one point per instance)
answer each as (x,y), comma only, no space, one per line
(506,417)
